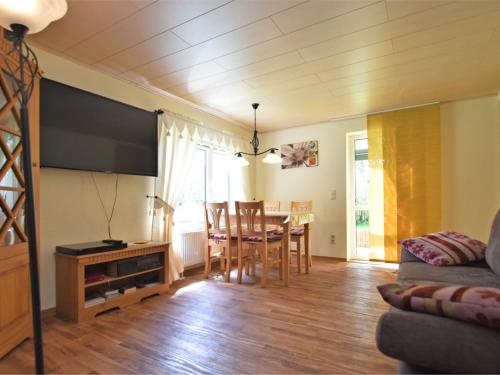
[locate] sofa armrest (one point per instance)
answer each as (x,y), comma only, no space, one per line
(442,344)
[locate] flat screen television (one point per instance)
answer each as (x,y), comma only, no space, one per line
(83,131)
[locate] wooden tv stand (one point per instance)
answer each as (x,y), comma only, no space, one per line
(71,286)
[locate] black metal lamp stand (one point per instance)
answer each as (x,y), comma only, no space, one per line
(24,84)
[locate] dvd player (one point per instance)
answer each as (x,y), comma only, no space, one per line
(89,248)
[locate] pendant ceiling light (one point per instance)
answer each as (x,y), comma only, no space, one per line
(271,158)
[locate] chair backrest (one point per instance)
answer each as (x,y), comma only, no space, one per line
(250,219)
(217,219)
(305,206)
(272,206)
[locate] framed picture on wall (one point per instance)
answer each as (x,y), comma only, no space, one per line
(298,155)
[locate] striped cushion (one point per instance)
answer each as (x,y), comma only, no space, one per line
(473,304)
(445,248)
(220,236)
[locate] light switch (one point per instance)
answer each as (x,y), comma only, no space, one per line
(333,195)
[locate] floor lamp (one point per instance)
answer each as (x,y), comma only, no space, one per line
(158,204)
(20,18)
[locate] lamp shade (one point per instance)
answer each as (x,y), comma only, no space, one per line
(272,158)
(241,161)
(36,15)
(159,203)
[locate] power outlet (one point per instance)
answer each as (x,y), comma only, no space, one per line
(333,195)
(332,239)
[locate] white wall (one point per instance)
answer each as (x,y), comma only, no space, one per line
(70,211)
(471,165)
(316,183)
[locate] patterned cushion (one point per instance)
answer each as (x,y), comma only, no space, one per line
(445,248)
(294,231)
(271,237)
(221,236)
(474,304)
(297,231)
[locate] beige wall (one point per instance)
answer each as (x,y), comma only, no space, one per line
(70,211)
(315,184)
(471,165)
(471,172)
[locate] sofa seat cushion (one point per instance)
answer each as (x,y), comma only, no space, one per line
(417,273)
(445,248)
(439,343)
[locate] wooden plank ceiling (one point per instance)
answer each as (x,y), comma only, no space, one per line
(304,61)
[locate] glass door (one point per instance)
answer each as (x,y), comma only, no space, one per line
(358,205)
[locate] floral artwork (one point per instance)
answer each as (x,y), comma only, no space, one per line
(296,155)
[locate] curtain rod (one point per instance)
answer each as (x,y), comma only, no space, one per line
(401,108)
(349,117)
(198,123)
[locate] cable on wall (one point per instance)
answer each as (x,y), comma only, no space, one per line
(109,217)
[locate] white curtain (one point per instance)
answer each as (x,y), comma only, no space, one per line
(176,151)
(239,178)
(178,140)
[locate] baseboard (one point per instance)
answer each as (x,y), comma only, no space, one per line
(195,266)
(384,261)
(339,259)
(48,313)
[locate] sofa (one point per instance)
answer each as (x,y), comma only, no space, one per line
(426,344)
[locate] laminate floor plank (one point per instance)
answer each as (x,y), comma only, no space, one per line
(324,322)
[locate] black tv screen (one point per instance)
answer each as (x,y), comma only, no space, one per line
(84,131)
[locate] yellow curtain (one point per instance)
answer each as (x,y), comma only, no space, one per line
(404,150)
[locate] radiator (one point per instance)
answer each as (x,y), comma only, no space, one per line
(192,246)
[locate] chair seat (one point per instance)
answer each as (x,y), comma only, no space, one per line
(293,232)
(297,232)
(272,237)
(220,236)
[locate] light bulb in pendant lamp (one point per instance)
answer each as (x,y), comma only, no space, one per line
(272,158)
(240,161)
(35,15)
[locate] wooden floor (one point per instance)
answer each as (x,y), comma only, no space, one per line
(323,323)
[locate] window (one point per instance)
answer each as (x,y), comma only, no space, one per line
(218,190)
(208,180)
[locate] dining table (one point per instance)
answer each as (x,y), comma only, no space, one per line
(288,220)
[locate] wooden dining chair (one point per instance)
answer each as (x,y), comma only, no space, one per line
(297,233)
(272,206)
(220,242)
(254,242)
